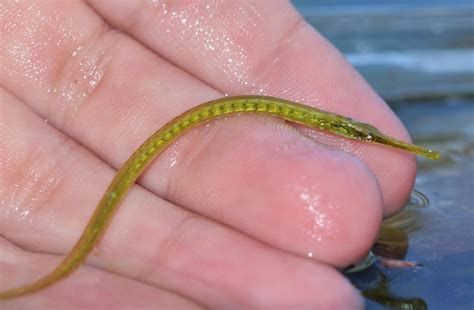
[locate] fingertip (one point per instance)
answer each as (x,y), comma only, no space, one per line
(345,225)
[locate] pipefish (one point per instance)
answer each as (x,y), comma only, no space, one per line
(166,135)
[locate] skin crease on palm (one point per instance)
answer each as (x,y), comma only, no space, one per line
(247,211)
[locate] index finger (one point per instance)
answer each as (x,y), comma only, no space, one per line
(265,47)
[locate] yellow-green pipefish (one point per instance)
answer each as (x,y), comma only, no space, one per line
(161,139)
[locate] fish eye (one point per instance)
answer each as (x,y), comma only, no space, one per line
(369,137)
(322,125)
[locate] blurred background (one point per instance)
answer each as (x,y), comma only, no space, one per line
(419,56)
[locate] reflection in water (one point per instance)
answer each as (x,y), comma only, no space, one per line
(392,246)
(391,243)
(381,294)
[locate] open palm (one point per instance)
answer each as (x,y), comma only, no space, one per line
(244,212)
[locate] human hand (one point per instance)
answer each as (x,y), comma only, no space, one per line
(229,215)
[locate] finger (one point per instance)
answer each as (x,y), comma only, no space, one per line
(311,193)
(98,288)
(149,240)
(239,48)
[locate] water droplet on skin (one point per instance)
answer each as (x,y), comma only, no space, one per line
(304,196)
(24,214)
(76,51)
(318,224)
